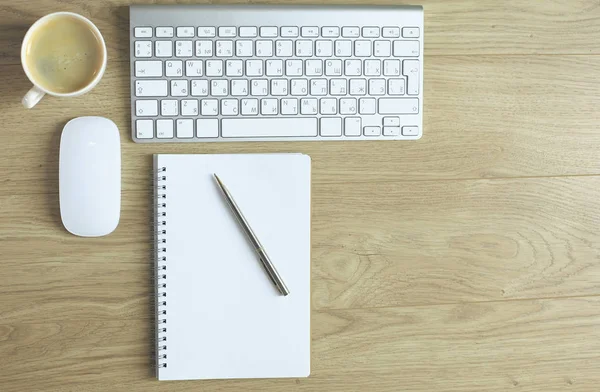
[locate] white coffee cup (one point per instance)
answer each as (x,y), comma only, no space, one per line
(38,91)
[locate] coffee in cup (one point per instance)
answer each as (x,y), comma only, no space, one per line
(63,54)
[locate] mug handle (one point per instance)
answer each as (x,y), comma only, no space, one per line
(32,97)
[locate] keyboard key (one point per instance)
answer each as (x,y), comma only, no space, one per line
(207,127)
(146,107)
(309,32)
(289,31)
(308,106)
(284,48)
(352,126)
(299,86)
(391,121)
(331,126)
(204,48)
(189,107)
(199,88)
(370,32)
(410,69)
(183,48)
(406,48)
(367,106)
(391,67)
(338,87)
(391,32)
(279,87)
(259,87)
(148,69)
(249,107)
(264,48)
(293,67)
(343,48)
(219,87)
(324,48)
(269,127)
(358,87)
(333,68)
(328,106)
(193,68)
(164,32)
(391,131)
(274,67)
(313,68)
(169,107)
(179,88)
(348,106)
(304,48)
(396,87)
(268,107)
(350,32)
(239,87)
(186,31)
(227,31)
(254,68)
(224,48)
(362,48)
(410,131)
(142,32)
(248,31)
(377,87)
(209,107)
(289,106)
(372,67)
(382,49)
(214,68)
(353,67)
(143,48)
(318,87)
(372,131)
(398,105)
(164,129)
(330,32)
(174,68)
(206,32)
(243,48)
(150,88)
(185,128)
(268,32)
(163,48)
(144,129)
(410,32)
(234,67)
(229,107)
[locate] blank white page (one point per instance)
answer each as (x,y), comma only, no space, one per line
(225,319)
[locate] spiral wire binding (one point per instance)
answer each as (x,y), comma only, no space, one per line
(161,267)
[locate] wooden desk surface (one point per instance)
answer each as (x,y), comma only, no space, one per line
(466,261)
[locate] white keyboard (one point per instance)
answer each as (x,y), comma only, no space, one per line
(203,73)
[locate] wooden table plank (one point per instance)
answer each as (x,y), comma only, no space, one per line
(531,345)
(422,242)
(485,117)
(462,27)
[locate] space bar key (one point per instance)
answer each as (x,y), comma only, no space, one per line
(269,127)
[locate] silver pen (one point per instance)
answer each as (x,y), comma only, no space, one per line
(258,248)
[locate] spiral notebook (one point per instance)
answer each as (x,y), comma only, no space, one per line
(218,314)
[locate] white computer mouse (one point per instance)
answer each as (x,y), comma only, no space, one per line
(90,176)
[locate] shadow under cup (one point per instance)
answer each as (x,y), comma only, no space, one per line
(64,54)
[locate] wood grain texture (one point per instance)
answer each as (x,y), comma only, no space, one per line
(421,242)
(531,345)
(466,261)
